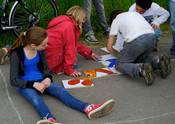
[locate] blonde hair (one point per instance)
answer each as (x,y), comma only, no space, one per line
(77,13)
(34,35)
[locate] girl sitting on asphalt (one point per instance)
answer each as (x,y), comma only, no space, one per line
(30,75)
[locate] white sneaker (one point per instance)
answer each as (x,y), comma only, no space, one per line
(46,122)
(91,39)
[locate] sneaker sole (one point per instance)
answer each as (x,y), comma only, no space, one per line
(149,75)
(90,42)
(165,66)
(46,122)
(103,110)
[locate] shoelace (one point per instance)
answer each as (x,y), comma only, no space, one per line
(90,107)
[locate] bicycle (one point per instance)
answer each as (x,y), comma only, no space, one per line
(26,13)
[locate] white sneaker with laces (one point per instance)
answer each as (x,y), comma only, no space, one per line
(91,39)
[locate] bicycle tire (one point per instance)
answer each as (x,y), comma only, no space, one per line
(40,13)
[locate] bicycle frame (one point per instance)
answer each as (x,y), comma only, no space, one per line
(4,23)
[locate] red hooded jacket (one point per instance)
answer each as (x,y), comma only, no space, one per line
(61,53)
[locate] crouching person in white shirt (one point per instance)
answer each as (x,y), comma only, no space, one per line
(139,40)
(154,14)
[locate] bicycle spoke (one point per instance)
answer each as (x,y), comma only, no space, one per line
(31,5)
(45,5)
(20,17)
(45,12)
(19,21)
(35,12)
(40,8)
(21,11)
(35,6)
(22,24)
(45,21)
(24,15)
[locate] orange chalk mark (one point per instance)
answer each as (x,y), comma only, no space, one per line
(92,73)
(87,82)
(74,81)
(103,70)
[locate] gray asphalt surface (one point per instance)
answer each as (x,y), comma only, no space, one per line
(135,102)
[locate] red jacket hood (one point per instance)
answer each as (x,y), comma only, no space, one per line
(60,19)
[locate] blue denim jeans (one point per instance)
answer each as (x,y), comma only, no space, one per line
(135,52)
(172,12)
(100,12)
(35,98)
(158,34)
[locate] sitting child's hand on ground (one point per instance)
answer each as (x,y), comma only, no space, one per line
(39,86)
(46,82)
(76,74)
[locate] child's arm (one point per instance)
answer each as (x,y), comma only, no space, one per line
(112,35)
(110,43)
(161,13)
(84,50)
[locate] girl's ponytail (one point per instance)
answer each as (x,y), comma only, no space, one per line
(21,41)
(34,35)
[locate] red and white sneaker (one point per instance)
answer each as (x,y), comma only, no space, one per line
(48,121)
(99,110)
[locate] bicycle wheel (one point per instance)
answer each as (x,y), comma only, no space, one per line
(27,13)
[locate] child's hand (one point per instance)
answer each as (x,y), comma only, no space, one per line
(39,86)
(155,26)
(95,57)
(110,49)
(110,43)
(46,82)
(76,74)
